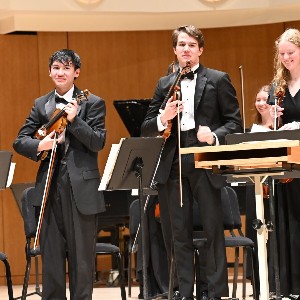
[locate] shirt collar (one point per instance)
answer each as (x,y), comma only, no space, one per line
(68,95)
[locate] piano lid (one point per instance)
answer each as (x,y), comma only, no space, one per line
(132,113)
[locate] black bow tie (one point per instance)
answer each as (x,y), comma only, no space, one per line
(190,75)
(61,100)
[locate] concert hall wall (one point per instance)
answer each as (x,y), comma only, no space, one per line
(116,66)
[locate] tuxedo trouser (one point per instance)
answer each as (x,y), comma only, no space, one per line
(177,226)
(66,234)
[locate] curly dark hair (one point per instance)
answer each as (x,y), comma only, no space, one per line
(65,56)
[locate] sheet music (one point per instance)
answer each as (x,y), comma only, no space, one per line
(10,174)
(110,164)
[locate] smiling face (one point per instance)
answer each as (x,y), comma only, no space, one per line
(63,75)
(187,49)
(289,55)
(261,103)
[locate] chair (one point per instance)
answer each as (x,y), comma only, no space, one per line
(3,258)
(107,248)
(29,214)
(231,221)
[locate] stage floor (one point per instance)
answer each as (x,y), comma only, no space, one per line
(111,293)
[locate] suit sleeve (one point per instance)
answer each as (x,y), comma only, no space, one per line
(229,109)
(25,143)
(90,131)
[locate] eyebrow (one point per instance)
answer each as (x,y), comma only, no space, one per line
(184,42)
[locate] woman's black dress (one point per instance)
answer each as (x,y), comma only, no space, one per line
(288,214)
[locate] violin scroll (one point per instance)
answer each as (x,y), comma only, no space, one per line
(175,91)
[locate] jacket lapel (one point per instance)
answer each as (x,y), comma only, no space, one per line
(200,84)
(50,105)
(77,92)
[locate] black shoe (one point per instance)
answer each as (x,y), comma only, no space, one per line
(186,298)
(214,298)
(204,295)
(176,296)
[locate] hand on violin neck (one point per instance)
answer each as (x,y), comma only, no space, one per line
(71,110)
(171,110)
(276,111)
(47,142)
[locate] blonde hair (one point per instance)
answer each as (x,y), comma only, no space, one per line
(281,73)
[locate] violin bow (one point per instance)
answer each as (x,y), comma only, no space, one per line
(46,192)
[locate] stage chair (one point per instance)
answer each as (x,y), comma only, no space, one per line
(231,221)
(107,248)
(29,215)
(3,258)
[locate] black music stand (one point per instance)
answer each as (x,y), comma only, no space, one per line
(5,162)
(135,168)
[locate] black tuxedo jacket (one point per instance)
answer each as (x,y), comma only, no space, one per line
(83,139)
(216,106)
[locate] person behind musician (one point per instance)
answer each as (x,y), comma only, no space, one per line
(209,110)
(286,83)
(263,120)
(69,228)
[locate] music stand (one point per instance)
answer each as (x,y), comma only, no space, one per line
(5,162)
(17,190)
(135,168)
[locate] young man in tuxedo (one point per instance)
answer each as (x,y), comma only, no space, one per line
(208,111)
(68,230)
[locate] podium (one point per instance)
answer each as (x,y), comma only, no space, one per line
(256,160)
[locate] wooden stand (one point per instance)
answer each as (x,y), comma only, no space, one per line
(256,160)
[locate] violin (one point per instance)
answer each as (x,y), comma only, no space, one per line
(58,121)
(174,89)
(279,95)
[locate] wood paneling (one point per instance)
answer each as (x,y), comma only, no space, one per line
(120,65)
(251,47)
(115,66)
(19,84)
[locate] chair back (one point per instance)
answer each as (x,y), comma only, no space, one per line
(235,208)
(134,217)
(29,212)
(228,221)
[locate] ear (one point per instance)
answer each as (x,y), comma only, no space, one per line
(200,51)
(77,72)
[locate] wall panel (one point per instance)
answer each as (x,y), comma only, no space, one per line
(121,65)
(251,47)
(19,78)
